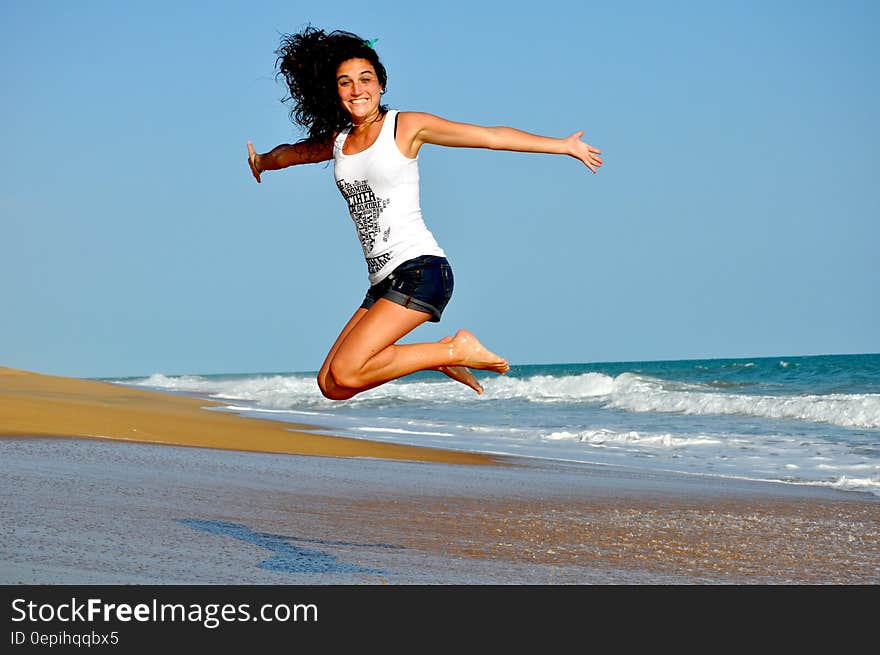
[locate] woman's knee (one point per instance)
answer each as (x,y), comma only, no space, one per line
(342,374)
(330,389)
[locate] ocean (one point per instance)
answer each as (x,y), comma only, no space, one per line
(812,420)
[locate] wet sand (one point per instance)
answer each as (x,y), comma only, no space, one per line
(99,511)
(78,511)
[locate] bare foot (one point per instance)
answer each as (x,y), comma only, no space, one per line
(473,354)
(460,373)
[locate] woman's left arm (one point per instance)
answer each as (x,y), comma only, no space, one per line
(417,128)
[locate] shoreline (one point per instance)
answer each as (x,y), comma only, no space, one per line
(38,405)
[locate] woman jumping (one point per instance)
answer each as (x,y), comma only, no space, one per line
(336,81)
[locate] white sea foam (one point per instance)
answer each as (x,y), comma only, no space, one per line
(548,388)
(493,429)
(178,383)
(402,431)
(261,410)
(642,394)
(631,437)
(274,391)
(871,485)
(627,391)
(301,391)
(638,393)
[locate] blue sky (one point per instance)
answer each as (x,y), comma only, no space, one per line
(736,213)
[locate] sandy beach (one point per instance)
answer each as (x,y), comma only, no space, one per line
(129,500)
(50,406)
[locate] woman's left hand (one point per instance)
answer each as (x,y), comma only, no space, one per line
(584,151)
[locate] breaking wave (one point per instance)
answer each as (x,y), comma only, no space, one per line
(627,391)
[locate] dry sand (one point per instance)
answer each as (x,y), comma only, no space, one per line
(43,405)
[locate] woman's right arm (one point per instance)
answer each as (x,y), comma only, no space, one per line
(285,155)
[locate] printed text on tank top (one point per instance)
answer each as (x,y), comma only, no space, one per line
(381,187)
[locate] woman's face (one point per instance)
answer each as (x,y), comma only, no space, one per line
(359,89)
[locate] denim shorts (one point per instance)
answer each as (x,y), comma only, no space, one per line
(424,284)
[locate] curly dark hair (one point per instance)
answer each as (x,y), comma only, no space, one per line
(308,61)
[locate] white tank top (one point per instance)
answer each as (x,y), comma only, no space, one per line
(381,187)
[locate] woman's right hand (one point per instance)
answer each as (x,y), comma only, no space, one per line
(252,161)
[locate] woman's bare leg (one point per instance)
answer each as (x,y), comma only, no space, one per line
(328,387)
(367,354)
(331,390)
